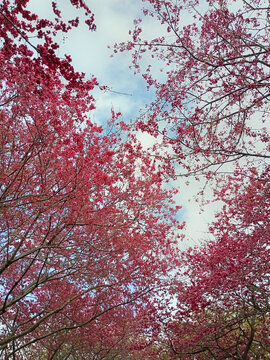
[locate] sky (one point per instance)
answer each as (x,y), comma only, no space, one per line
(91,54)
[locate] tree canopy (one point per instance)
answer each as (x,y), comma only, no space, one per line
(90,262)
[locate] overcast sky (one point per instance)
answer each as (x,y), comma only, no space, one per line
(90,54)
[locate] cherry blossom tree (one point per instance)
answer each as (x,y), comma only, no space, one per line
(210,115)
(211,102)
(87,230)
(223,298)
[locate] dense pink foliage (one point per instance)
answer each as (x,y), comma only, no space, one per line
(86,230)
(89,263)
